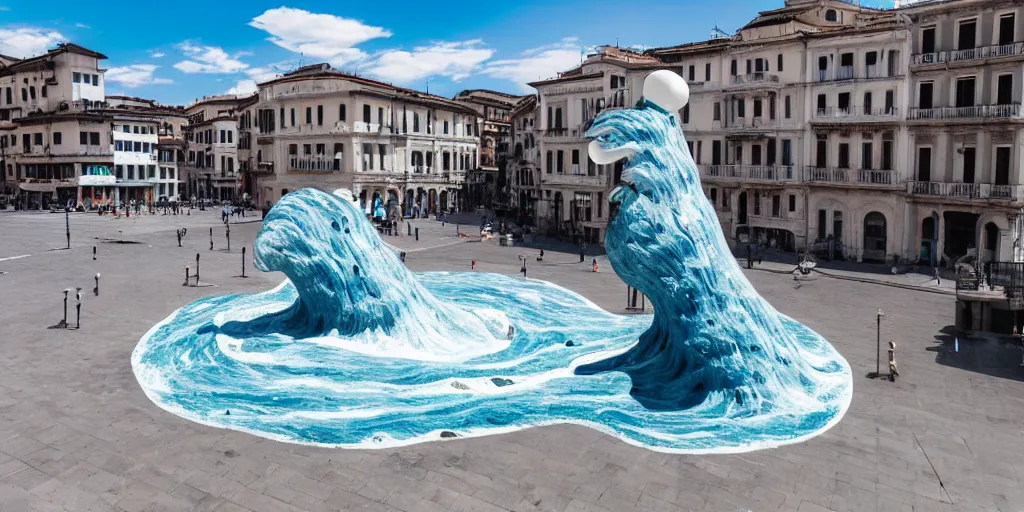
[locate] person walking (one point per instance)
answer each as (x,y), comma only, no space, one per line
(583,249)
(893,372)
(750,256)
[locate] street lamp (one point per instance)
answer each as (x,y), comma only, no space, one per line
(878,345)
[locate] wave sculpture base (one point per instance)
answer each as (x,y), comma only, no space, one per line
(356,351)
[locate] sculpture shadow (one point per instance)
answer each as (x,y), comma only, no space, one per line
(985,353)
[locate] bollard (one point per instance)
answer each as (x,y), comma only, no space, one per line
(67,224)
(409,225)
(64,322)
(197,269)
(243,261)
(186,276)
(94,253)
(227,234)
(96,290)
(211,239)
(179,237)
(78,308)
(417,234)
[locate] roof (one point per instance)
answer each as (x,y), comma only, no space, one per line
(38,61)
(223,98)
(566,77)
(526,104)
(325,71)
(709,45)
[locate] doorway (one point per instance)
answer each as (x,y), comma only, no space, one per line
(874,237)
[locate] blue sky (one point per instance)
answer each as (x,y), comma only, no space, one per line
(175,52)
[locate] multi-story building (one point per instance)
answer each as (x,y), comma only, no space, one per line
(572,191)
(488,184)
(57,148)
(965,187)
(404,150)
(858,133)
(135,156)
(524,162)
(210,170)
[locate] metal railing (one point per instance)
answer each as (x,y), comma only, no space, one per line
(972,112)
(312,164)
(753,172)
(969,191)
(881,177)
(754,78)
(855,112)
(1007,274)
(978,53)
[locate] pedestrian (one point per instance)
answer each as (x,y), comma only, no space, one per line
(541,257)
(750,256)
(893,372)
(583,249)
(938,280)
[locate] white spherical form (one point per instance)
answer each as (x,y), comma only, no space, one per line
(666,90)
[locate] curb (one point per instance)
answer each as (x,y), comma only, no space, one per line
(865,280)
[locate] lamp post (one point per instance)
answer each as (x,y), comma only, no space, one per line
(878,345)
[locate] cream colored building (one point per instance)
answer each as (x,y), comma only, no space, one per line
(319,127)
(852,132)
(488,184)
(55,147)
(523,165)
(211,158)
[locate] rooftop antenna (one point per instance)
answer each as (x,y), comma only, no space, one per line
(717,33)
(616,42)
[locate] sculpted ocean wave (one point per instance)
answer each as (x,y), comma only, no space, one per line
(354,350)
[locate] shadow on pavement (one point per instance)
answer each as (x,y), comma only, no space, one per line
(986,353)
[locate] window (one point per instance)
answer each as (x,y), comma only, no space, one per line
(866,151)
(138,146)
(788,109)
(928,42)
(775,205)
(341,113)
(135,129)
(24,94)
(700,145)
(321,149)
(83,138)
(707,76)
(42,91)
(56,138)
(750,68)
(320,114)
(223,137)
(366,114)
(691,73)
(126,129)
(446,127)
(757,107)
(231,166)
(293,149)
(76,77)
(924,164)
(380,117)
(831,15)
(307,149)
(870,60)
(686,113)
(145,147)
(741,108)
(822,104)
(844,102)
(560,161)
(792,203)
(1002,165)
(550,162)
(96,80)
(37,139)
(732,67)
(924,97)
(714,196)
(415,122)
(787,152)
(1004,89)
(309,115)
(779,65)
(867,103)
(1006,25)
(965,92)
(718,111)
(231,137)
(94,138)
(894,63)
(967,35)
(844,155)
(32,92)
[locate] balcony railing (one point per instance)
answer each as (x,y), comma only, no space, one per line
(970,54)
(867,177)
(754,78)
(979,191)
(840,73)
(574,179)
(751,172)
(973,112)
(856,113)
(313,164)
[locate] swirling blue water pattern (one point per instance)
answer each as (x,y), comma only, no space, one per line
(354,350)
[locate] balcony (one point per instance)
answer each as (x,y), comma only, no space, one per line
(856,114)
(560,134)
(974,112)
(762,173)
(754,78)
(421,169)
(969,55)
(840,73)
(966,191)
(855,177)
(313,164)
(574,179)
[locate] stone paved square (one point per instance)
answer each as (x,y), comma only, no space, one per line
(77,433)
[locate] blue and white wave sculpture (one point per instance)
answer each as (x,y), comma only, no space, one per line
(354,350)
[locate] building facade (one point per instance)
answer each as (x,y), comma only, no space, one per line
(210,170)
(487,185)
(398,150)
(855,133)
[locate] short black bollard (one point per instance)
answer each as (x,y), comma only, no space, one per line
(179,237)
(186,276)
(197,269)
(96,289)
(67,224)
(227,234)
(243,261)
(78,308)
(94,253)
(417,234)
(211,239)
(64,322)
(409,225)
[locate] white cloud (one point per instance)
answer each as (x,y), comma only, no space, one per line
(28,41)
(156,54)
(82,25)
(455,60)
(243,88)
(135,75)
(207,59)
(4,8)
(322,36)
(263,74)
(537,63)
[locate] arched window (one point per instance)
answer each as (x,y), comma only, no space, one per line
(831,15)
